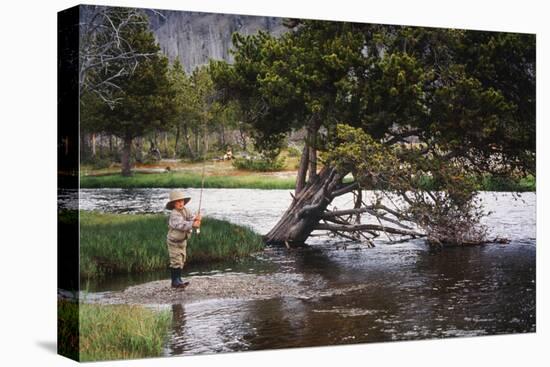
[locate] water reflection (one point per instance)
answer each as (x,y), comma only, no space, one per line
(464,292)
(176,343)
(208,327)
(390,292)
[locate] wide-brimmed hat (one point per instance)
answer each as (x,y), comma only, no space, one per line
(176,195)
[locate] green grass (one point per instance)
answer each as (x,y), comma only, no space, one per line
(257,181)
(493,183)
(180,179)
(121,332)
(126,243)
(67,329)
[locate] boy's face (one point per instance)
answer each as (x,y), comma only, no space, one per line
(179,204)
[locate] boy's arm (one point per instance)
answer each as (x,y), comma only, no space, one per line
(176,221)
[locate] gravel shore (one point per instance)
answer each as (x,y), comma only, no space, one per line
(236,286)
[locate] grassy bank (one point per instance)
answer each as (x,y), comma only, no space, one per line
(258,181)
(125,243)
(67,329)
(492,183)
(111,332)
(121,332)
(181,179)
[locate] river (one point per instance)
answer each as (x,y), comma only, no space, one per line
(398,291)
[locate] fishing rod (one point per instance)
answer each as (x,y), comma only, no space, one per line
(198,230)
(209,100)
(200,196)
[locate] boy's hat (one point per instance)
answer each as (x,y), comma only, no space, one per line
(174,196)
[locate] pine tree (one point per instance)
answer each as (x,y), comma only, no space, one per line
(465,97)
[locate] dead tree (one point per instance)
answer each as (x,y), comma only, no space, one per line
(103,45)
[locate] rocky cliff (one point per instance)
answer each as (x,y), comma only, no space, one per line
(195,37)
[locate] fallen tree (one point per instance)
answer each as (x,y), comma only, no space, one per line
(427,112)
(400,206)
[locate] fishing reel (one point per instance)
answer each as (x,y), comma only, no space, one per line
(198,229)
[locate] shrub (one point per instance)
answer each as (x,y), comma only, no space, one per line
(259,164)
(294,151)
(100,162)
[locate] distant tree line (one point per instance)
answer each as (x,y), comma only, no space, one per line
(134,102)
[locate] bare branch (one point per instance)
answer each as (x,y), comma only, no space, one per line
(344,190)
(367,227)
(380,216)
(400,137)
(105,55)
(336,213)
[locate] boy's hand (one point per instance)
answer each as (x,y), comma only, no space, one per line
(197,221)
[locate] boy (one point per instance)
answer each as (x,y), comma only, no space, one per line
(180,225)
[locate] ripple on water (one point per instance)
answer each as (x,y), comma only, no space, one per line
(332,293)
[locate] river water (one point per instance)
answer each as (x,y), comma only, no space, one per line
(398,291)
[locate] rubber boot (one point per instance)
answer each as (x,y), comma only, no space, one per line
(183,283)
(176,281)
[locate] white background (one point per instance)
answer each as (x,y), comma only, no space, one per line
(28,179)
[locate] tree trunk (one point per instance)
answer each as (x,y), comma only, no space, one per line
(139,150)
(84,147)
(155,139)
(93,145)
(166,144)
(242,139)
(221,140)
(303,215)
(177,140)
(101,145)
(312,160)
(126,156)
(188,145)
(312,131)
(302,170)
(197,140)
